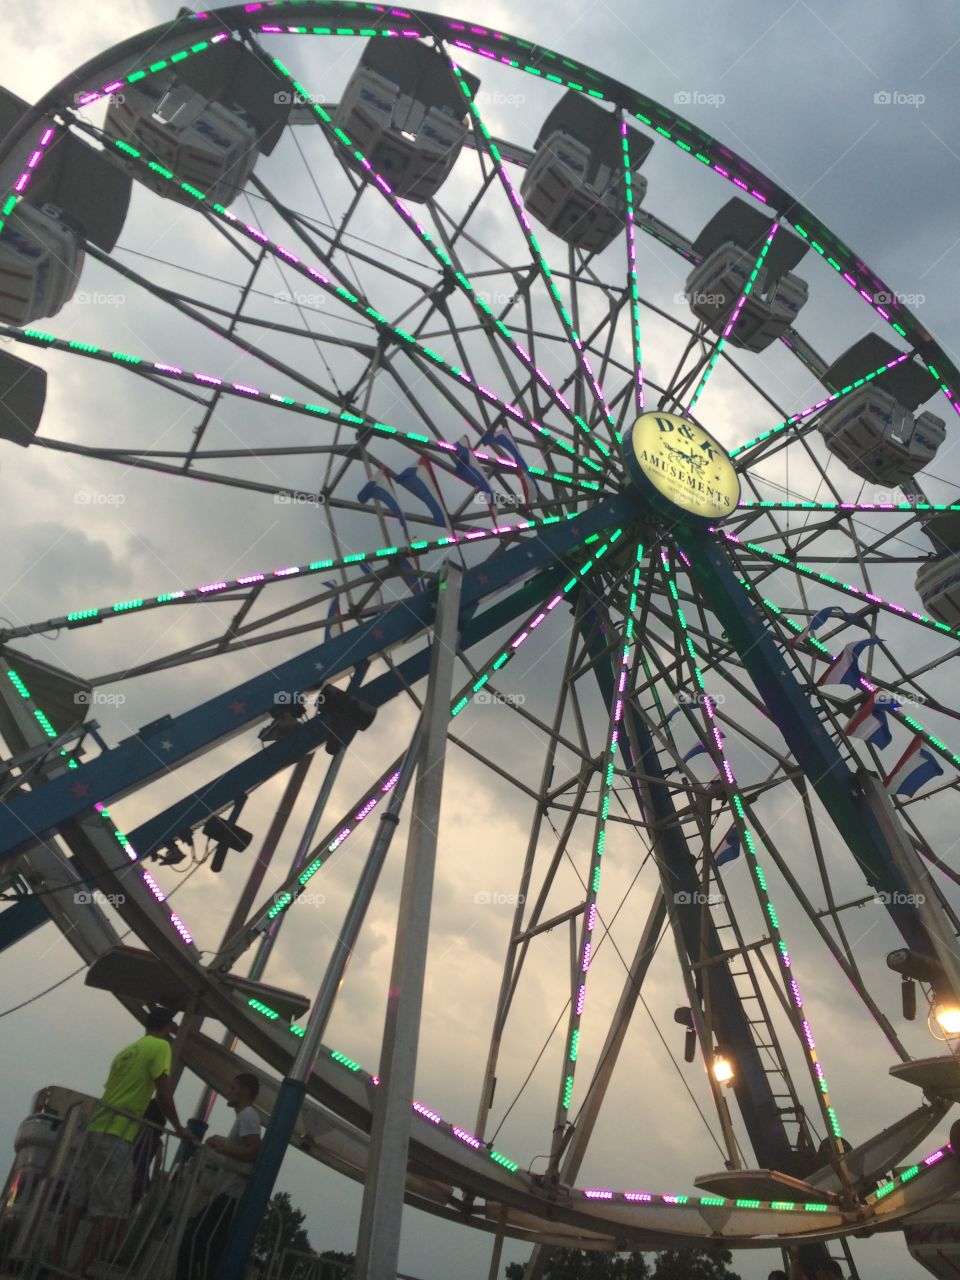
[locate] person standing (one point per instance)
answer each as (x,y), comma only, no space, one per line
(102,1185)
(205,1235)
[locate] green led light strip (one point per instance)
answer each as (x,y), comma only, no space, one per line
(863,597)
(739,815)
(585,948)
(83,99)
(632,271)
(275,400)
(541,263)
(384,555)
(821,404)
(898,713)
(735,316)
(851,507)
(286,894)
(461,281)
(351,301)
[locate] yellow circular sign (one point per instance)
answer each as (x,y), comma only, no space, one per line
(684,464)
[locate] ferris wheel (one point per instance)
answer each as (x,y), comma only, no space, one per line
(524,398)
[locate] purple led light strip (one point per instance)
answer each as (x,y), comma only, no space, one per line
(713,740)
(585,950)
(595,93)
(527,230)
(815,408)
(84,617)
(870,597)
(263,918)
(274,400)
(868,686)
(376,179)
(735,316)
(354,304)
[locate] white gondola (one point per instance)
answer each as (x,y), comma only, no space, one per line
(208,121)
(771,307)
(938,581)
(203,143)
(574,184)
(40,264)
(404,110)
(878,439)
(729,248)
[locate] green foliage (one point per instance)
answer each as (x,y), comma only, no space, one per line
(693,1264)
(575,1264)
(671,1264)
(282,1228)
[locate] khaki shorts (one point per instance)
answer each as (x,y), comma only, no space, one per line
(102,1183)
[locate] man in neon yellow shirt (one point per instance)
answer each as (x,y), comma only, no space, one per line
(103,1180)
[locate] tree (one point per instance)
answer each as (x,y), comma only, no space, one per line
(575,1264)
(693,1264)
(281,1228)
(671,1264)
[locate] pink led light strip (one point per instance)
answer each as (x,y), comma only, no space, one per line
(274,400)
(868,686)
(353,303)
(362,808)
(869,597)
(632,268)
(585,950)
(527,230)
(734,317)
(376,179)
(815,408)
(145,875)
(714,743)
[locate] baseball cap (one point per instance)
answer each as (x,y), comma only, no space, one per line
(158,1019)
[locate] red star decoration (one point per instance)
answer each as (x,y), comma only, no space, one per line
(377,633)
(482,578)
(79,789)
(237,707)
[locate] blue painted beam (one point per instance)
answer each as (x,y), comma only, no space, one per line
(789,706)
(173,741)
(262,765)
(20,920)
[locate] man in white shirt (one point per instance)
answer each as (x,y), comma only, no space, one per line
(205,1236)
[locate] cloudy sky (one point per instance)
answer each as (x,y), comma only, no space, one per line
(851,108)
